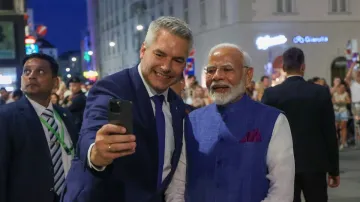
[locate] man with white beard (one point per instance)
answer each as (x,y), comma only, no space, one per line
(237,150)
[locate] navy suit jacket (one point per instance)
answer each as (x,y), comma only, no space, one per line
(132,178)
(310,112)
(26,171)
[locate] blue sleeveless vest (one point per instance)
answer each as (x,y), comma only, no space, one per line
(226,152)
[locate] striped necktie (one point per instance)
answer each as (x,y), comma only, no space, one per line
(55,151)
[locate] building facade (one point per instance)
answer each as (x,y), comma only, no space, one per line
(322,28)
(12,44)
(70,65)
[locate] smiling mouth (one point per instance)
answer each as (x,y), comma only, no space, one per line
(162,75)
(220,89)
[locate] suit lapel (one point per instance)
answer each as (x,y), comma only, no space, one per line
(68,124)
(142,101)
(177,122)
(177,114)
(36,130)
(144,114)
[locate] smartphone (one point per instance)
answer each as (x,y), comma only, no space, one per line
(120,113)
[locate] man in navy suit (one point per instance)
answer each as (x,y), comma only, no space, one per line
(311,117)
(36,138)
(114,166)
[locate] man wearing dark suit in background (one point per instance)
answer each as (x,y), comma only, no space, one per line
(309,110)
(117,167)
(77,101)
(36,137)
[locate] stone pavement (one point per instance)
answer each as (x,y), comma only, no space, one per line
(349,189)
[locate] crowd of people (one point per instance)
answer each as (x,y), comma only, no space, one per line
(235,141)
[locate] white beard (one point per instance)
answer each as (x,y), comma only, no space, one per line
(231,95)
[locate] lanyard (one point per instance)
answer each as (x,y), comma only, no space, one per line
(59,137)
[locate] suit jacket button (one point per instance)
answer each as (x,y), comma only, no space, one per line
(51,189)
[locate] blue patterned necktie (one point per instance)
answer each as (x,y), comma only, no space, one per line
(160,128)
(55,151)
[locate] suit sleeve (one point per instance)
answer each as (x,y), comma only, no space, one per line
(329,132)
(5,155)
(95,114)
(265,98)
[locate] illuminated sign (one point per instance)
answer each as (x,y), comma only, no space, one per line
(30,40)
(91,74)
(310,39)
(31,48)
(265,42)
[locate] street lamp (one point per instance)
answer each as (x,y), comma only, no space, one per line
(112,44)
(69,76)
(139,27)
(73,59)
(90,52)
(67,69)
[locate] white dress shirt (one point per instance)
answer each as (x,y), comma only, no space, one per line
(169,134)
(280,162)
(66,159)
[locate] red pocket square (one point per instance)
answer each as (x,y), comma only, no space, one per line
(252,136)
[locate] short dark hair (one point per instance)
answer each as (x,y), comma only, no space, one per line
(293,58)
(3,88)
(74,79)
(316,79)
(263,78)
(17,93)
(53,64)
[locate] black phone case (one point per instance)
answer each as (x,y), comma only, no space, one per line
(120,113)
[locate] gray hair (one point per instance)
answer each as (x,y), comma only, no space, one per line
(247,58)
(172,24)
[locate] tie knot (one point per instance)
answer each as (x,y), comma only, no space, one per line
(48,112)
(158,99)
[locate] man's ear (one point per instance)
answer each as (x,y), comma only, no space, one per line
(249,75)
(142,50)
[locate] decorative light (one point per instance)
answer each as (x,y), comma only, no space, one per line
(91,74)
(111,43)
(139,27)
(30,40)
(67,69)
(73,59)
(265,42)
(68,76)
(90,52)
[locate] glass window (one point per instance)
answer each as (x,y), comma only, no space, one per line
(223,9)
(202,12)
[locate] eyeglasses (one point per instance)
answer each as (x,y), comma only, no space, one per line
(211,70)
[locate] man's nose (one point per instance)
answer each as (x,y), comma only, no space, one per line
(32,75)
(218,75)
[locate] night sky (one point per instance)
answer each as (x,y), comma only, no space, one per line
(66,20)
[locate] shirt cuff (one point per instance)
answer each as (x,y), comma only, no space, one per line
(99,169)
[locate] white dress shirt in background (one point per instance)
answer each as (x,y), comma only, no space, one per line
(66,158)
